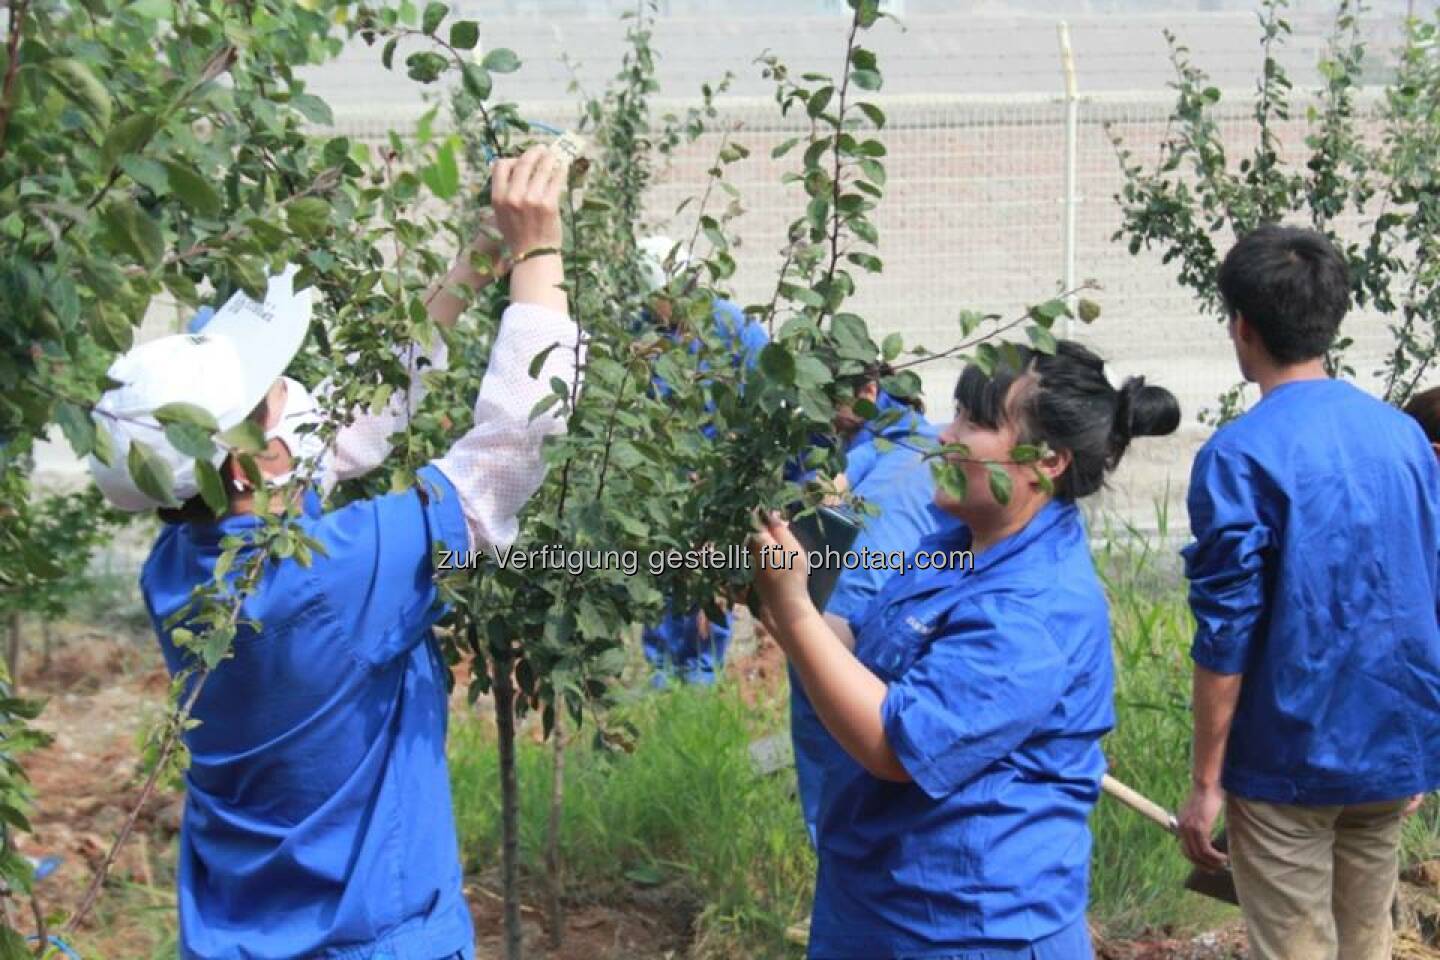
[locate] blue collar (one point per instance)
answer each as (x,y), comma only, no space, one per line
(1057,516)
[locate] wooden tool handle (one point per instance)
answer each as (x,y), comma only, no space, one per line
(1141,804)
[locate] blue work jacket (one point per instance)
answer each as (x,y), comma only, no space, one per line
(1316,522)
(898,481)
(317,814)
(999,688)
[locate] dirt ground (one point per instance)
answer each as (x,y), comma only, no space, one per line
(102,691)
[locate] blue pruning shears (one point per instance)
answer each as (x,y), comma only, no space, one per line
(54,941)
(44,867)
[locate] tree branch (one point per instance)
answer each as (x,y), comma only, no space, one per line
(12,67)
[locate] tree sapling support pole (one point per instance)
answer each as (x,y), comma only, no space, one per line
(1072,141)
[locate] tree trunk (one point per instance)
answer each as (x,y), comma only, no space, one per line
(12,653)
(47,633)
(554,885)
(504,687)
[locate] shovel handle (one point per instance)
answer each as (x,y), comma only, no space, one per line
(1140,803)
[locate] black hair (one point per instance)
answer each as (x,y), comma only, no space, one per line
(1292,285)
(1065,401)
(879,371)
(1425,408)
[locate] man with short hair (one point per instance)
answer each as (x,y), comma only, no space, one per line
(317,817)
(1313,576)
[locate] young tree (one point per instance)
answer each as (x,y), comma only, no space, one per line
(1196,195)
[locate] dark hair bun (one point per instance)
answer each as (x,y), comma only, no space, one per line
(1146,410)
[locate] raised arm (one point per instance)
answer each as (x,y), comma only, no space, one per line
(364,443)
(497,466)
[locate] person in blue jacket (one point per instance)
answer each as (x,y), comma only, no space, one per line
(897,481)
(317,816)
(972,705)
(1313,575)
(690,645)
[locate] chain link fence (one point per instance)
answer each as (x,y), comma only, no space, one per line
(973,218)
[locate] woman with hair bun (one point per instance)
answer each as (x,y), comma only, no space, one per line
(973,704)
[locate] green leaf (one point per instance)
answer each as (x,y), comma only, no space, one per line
(970,321)
(77,82)
(1042,339)
(127,136)
(866,12)
(819,100)
(476,81)
(1000,483)
(866,261)
(777,362)
(314,109)
(387,55)
(152,475)
(79,429)
(864,229)
(538,361)
(434,13)
(1026,453)
(190,440)
(217,641)
(892,346)
(949,478)
(425,66)
(464,34)
(875,170)
(1048,312)
(1089,310)
(501,60)
(783,148)
(902,385)
(443,176)
(874,113)
(309,217)
(133,231)
(802,295)
(866,79)
(544,404)
(104,447)
(193,189)
(212,488)
(246,437)
(14,817)
(187,413)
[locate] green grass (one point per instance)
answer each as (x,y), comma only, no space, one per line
(686,807)
(1137,872)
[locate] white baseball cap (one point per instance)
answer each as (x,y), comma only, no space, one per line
(226,370)
(653,253)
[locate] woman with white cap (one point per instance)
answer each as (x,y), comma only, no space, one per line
(318,819)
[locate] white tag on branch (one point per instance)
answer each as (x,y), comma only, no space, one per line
(572,150)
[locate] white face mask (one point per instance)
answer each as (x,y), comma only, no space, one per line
(306,447)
